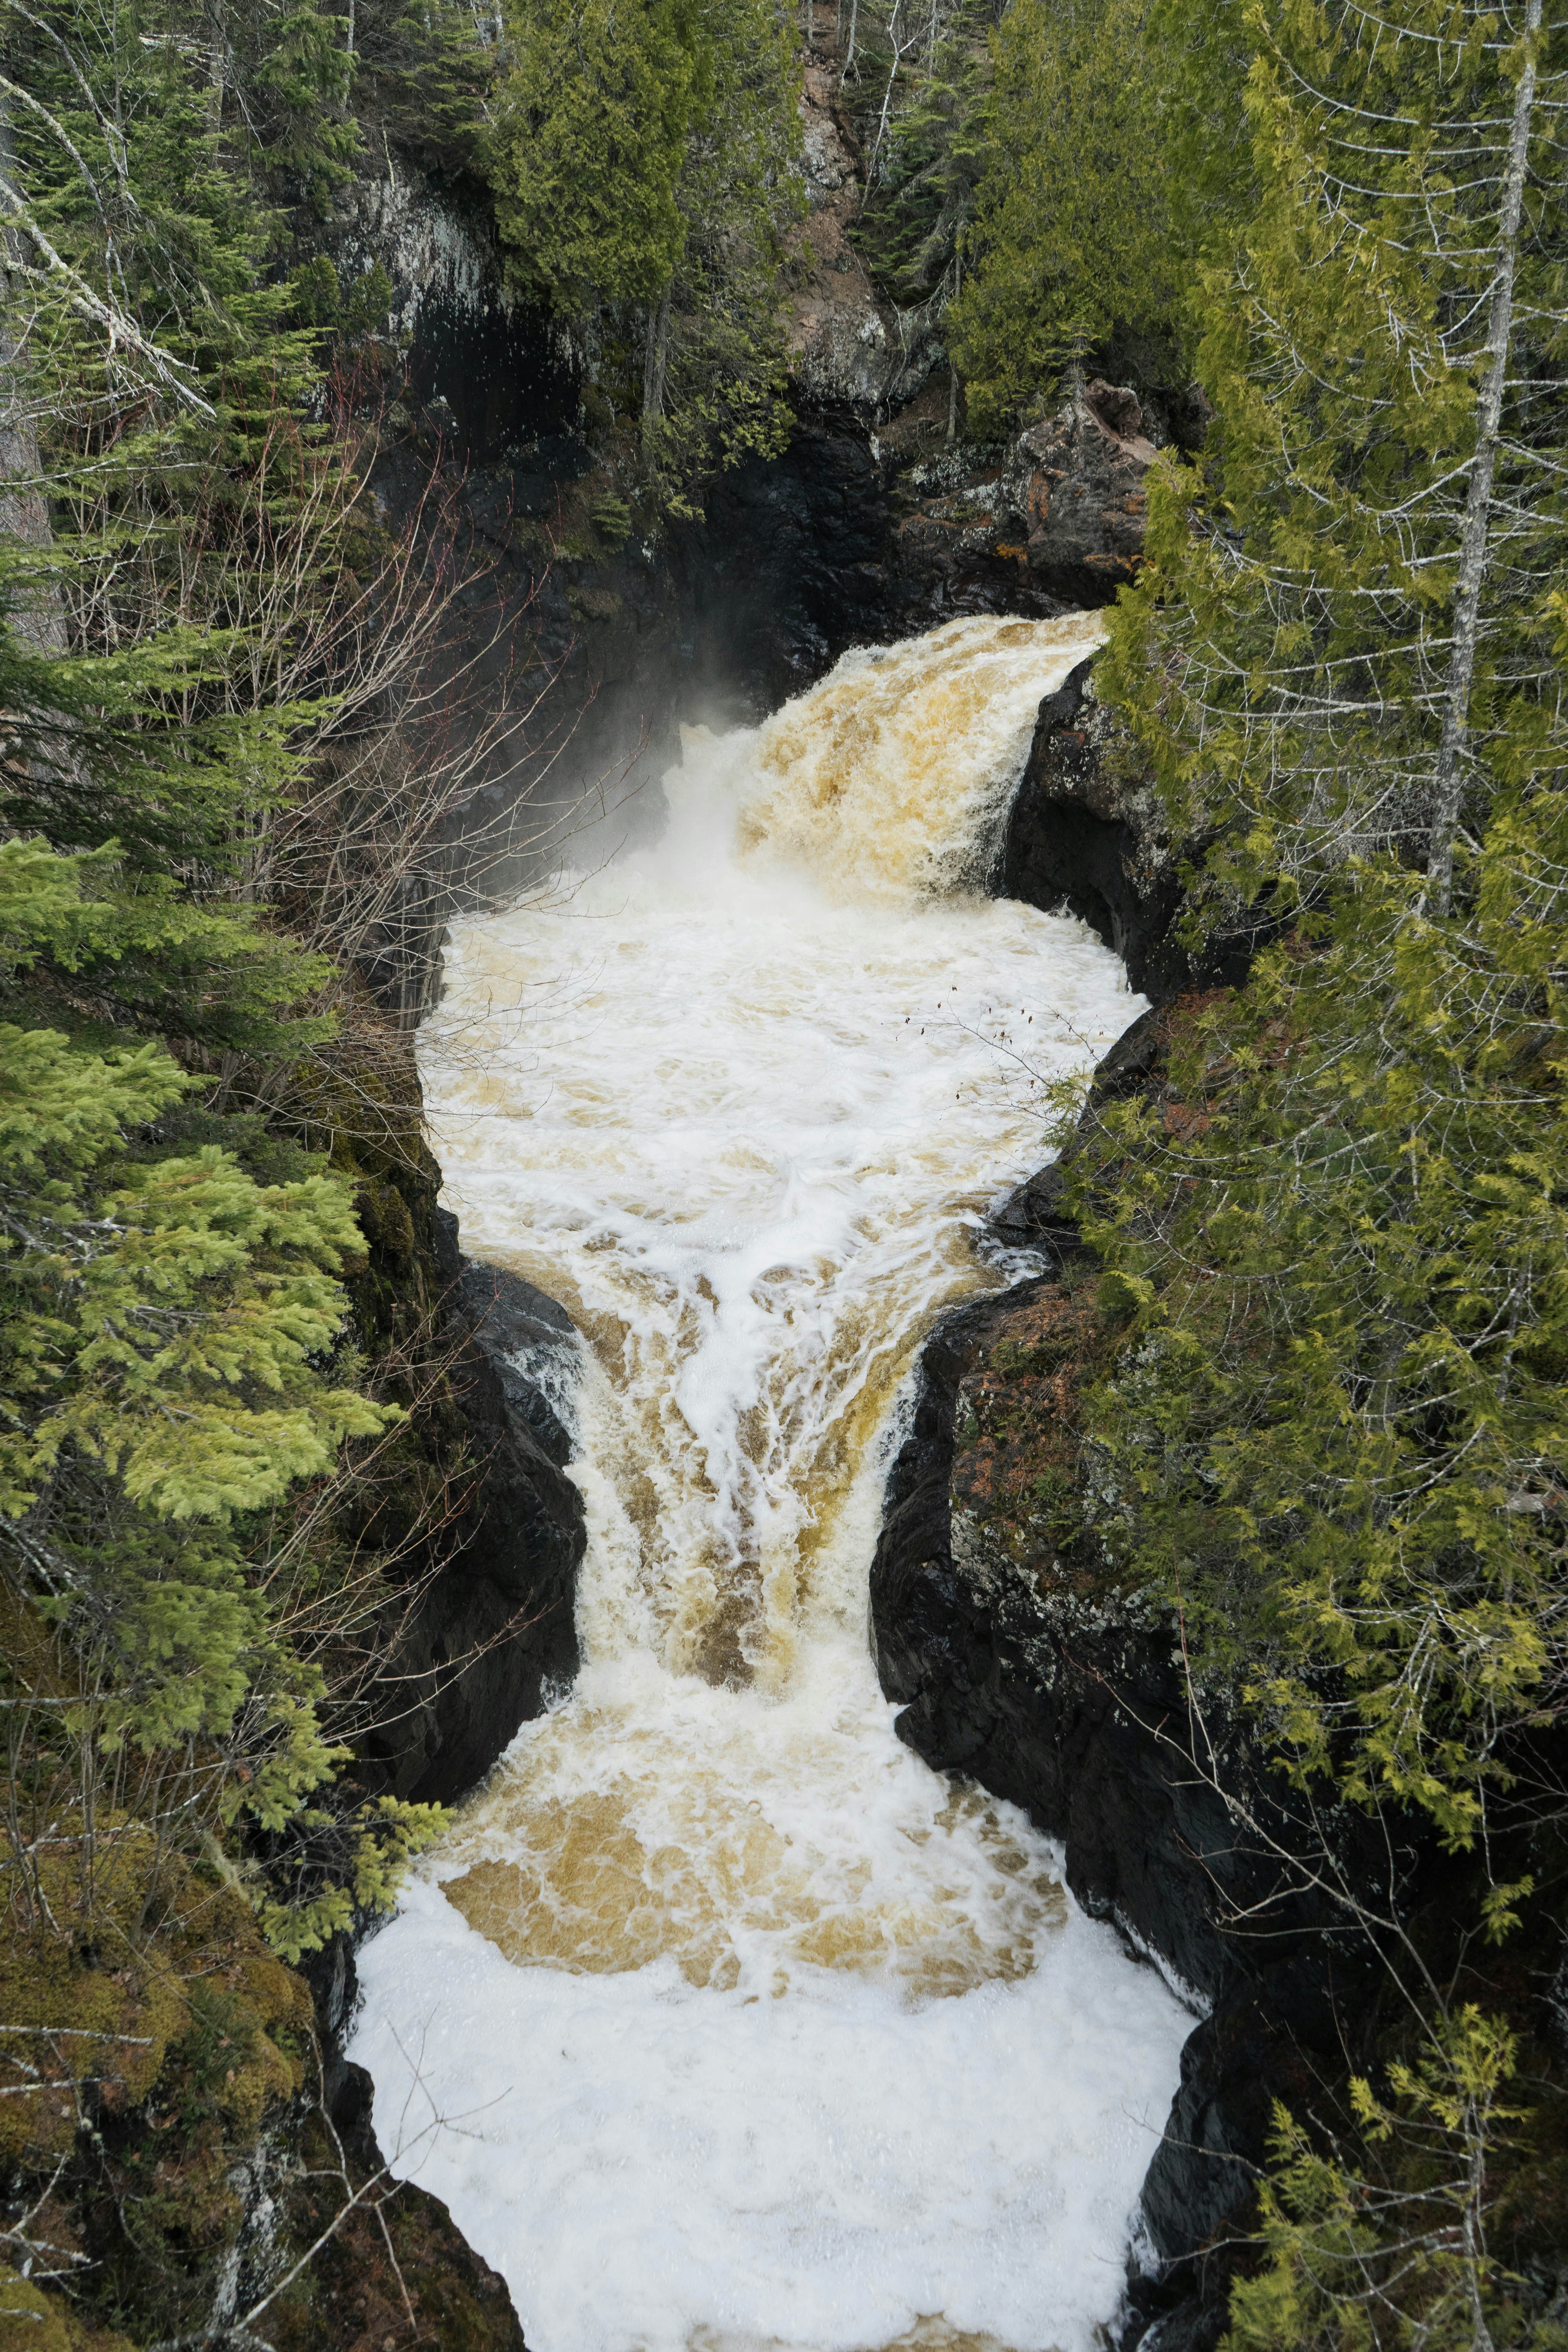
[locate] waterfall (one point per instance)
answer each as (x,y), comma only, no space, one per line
(716,2019)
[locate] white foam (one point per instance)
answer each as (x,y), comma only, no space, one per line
(642,2160)
(777,2037)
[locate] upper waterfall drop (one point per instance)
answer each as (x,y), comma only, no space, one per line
(830,2024)
(894,773)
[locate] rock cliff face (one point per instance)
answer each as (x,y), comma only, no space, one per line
(493,1634)
(1087,506)
(881,518)
(1088,831)
(1021,1661)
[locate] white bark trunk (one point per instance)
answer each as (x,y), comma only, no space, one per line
(1447,783)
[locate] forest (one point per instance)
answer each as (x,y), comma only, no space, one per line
(1325,1421)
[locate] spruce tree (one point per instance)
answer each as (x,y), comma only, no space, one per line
(641,164)
(588,144)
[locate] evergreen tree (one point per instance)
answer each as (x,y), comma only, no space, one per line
(588,146)
(641,164)
(1389,2246)
(1338,1244)
(1071,238)
(170,645)
(715,380)
(920,107)
(1358,621)
(305,74)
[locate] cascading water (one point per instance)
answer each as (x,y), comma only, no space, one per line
(716,2019)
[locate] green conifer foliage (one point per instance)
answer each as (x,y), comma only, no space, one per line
(305,73)
(588,145)
(1291,655)
(423,78)
(173,641)
(1388,2248)
(922,111)
(720,382)
(1341,1249)
(1070,237)
(641,161)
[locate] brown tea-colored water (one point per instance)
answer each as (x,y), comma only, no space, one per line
(739,1968)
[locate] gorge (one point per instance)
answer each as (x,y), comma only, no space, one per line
(783,1277)
(740,1097)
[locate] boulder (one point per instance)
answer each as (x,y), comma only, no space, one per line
(1087,506)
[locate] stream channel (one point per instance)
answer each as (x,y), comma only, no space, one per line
(716,2019)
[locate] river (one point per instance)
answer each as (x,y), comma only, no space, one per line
(716,2019)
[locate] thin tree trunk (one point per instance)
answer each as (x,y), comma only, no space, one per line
(951,371)
(887,103)
(1447,782)
(654,362)
(218,59)
(351,27)
(23,512)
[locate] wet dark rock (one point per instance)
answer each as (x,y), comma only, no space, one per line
(794,559)
(531,1344)
(493,1634)
(1032,1216)
(1020,1661)
(1087,831)
(1050,521)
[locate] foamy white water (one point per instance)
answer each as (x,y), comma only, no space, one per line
(716,2019)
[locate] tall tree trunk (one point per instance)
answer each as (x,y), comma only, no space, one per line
(951,369)
(23,513)
(655,359)
(1447,783)
(218,59)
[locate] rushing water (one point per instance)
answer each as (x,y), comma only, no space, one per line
(716,2019)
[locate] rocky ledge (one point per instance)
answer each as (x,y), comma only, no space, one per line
(1088,832)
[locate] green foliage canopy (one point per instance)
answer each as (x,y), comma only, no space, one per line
(1341,1249)
(589,141)
(1070,238)
(643,165)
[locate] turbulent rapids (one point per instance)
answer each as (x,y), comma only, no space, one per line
(716,2019)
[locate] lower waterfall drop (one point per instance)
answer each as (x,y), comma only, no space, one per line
(716,2019)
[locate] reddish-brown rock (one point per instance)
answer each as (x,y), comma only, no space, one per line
(1087,505)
